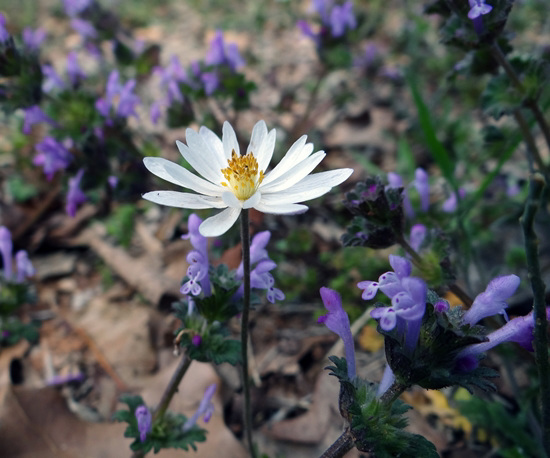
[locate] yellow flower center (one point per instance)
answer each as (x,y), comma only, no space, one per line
(242,175)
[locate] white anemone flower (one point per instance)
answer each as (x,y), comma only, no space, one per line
(235,182)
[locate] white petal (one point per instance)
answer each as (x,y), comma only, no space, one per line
(297,152)
(230,142)
(177,174)
(291,196)
(219,224)
(231,200)
(214,141)
(265,151)
(201,156)
(294,175)
(183,200)
(253,201)
(283,209)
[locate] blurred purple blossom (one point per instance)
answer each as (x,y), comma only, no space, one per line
(337,321)
(24,266)
(52,80)
(52,156)
(75,196)
(154,112)
(478,8)
(493,300)
(6,247)
(197,271)
(127,100)
(74,7)
(206,409)
(62,379)
(4,34)
(342,17)
(34,115)
(422,185)
(196,340)
(450,205)
(210,81)
(395,181)
(32,39)
(75,73)
(85,28)
(113,181)
(417,236)
(144,421)
(220,53)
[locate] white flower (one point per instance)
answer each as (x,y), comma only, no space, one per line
(234,182)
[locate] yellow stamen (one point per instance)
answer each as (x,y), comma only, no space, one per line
(242,175)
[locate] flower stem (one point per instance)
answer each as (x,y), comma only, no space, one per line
(536,186)
(392,393)
(247,411)
(341,446)
(172,387)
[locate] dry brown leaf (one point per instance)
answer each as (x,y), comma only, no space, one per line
(370,339)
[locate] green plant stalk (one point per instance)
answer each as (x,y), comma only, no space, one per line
(536,186)
(532,149)
(247,411)
(529,102)
(171,388)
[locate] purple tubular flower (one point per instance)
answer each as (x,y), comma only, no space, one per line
(306,30)
(221,54)
(198,260)
(85,28)
(144,421)
(417,236)
(75,196)
(4,34)
(422,185)
(210,81)
(52,156)
(519,330)
(342,17)
(154,112)
(32,39)
(74,7)
(493,300)
(113,181)
(128,101)
(478,8)
(62,379)
(24,266)
(337,321)
(234,58)
(206,408)
(390,282)
(6,247)
(395,181)
(323,8)
(449,206)
(75,73)
(52,80)
(196,340)
(34,115)
(387,379)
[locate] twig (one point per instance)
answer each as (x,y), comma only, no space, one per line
(536,187)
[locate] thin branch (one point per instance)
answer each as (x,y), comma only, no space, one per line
(172,387)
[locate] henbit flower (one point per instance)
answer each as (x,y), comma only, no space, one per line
(32,39)
(234,182)
(422,185)
(75,196)
(4,34)
(211,82)
(52,156)
(6,247)
(395,181)
(197,271)
(74,7)
(449,206)
(196,340)
(417,236)
(342,17)
(206,408)
(113,181)
(85,28)
(75,73)
(127,100)
(478,8)
(221,54)
(388,282)
(323,8)
(387,380)
(34,115)
(24,266)
(493,300)
(337,321)
(144,421)
(519,330)
(52,80)
(154,112)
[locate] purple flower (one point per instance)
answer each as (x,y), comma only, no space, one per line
(74,71)
(306,29)
(32,39)
(449,206)
(493,300)
(62,379)
(6,247)
(34,115)
(52,80)
(422,185)
(210,81)
(74,7)
(323,8)
(417,236)
(52,156)
(85,28)
(389,282)
(4,34)
(387,380)
(197,271)
(341,17)
(24,266)
(519,330)
(395,181)
(75,196)
(128,100)
(337,321)
(144,421)
(206,408)
(113,181)
(154,112)
(478,8)
(196,340)
(221,54)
